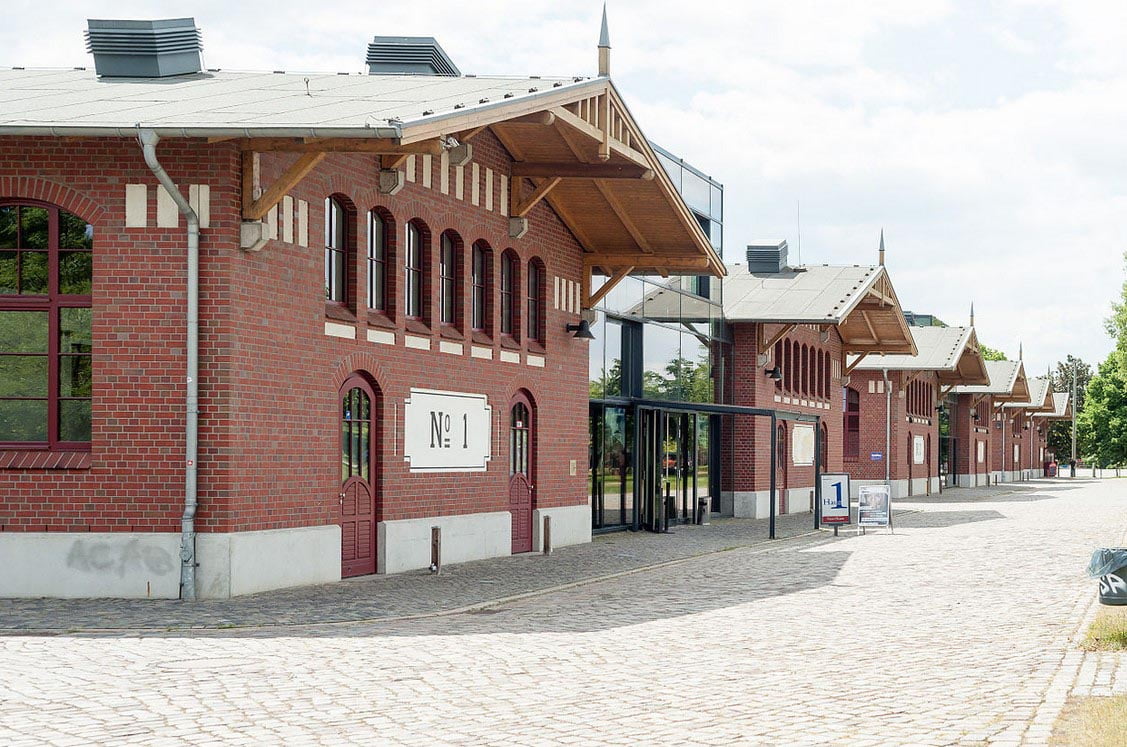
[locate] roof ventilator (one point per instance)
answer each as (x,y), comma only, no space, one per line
(767,257)
(144,49)
(409,55)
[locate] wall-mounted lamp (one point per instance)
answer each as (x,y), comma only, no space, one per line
(775,373)
(974,414)
(582,330)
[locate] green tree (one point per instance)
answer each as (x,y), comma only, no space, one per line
(1102,423)
(1116,324)
(1060,380)
(991,354)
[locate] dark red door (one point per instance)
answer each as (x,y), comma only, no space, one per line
(357,493)
(520,474)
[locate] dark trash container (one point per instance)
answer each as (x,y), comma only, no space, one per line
(1109,565)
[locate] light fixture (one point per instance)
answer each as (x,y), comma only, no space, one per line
(775,373)
(582,330)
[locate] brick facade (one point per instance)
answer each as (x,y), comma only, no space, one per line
(967,432)
(269,374)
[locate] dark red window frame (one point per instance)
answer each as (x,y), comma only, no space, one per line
(510,281)
(53,303)
(414,263)
(480,275)
(448,296)
(851,442)
(535,286)
(377,261)
(336,252)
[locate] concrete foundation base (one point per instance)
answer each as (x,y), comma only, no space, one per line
(571,525)
(404,545)
(972,480)
(237,563)
(899,488)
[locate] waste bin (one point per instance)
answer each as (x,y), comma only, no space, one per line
(1109,565)
(703,506)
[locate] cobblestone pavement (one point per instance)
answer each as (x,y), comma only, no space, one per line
(405,594)
(957,629)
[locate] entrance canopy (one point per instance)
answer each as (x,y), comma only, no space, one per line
(1062,408)
(1040,398)
(1007,383)
(951,352)
(858,300)
(572,140)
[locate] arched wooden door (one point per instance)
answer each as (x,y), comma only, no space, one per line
(781,467)
(521,441)
(358,478)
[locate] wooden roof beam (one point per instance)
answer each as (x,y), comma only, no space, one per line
(519,208)
(580,171)
(590,299)
(255,209)
(378,146)
(848,368)
(624,217)
(583,127)
(768,343)
(644,260)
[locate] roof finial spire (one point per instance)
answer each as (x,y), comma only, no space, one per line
(604,47)
(972,313)
(881,253)
(1020,354)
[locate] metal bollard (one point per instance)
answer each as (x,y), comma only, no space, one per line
(703,509)
(436,550)
(547,535)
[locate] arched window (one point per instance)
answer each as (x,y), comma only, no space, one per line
(377,261)
(826,366)
(825,448)
(510,281)
(414,272)
(518,440)
(852,424)
(336,236)
(45,327)
(777,354)
(449,299)
(535,320)
(482,290)
(805,362)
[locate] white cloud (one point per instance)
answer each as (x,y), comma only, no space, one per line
(985,137)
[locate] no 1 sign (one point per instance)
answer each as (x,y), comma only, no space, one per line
(834,498)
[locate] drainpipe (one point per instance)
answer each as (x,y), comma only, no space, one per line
(148,140)
(887,429)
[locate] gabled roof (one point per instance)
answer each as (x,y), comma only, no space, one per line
(952,352)
(1040,397)
(1007,382)
(573,141)
(1062,408)
(858,300)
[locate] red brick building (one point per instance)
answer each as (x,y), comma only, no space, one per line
(892,409)
(976,459)
(1025,456)
(792,328)
(391,272)
(1062,410)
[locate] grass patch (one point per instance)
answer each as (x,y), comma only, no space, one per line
(1092,722)
(1108,631)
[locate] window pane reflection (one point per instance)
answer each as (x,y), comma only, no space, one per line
(662,364)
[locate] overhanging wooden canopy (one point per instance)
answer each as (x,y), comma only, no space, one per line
(875,324)
(579,150)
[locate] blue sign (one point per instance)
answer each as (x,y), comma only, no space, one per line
(876,456)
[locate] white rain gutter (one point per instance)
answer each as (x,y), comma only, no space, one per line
(148,140)
(382,132)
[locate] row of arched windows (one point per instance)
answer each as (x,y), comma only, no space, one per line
(921,397)
(520,303)
(805,369)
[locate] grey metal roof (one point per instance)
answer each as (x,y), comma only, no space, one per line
(939,350)
(1061,407)
(814,294)
(1003,377)
(60,102)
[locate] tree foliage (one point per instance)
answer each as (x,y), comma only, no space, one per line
(991,354)
(1060,380)
(1102,424)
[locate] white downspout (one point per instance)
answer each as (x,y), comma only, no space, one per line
(148,140)
(887,429)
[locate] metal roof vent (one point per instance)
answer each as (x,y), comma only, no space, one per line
(144,49)
(409,55)
(767,257)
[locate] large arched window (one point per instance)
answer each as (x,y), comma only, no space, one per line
(377,261)
(336,236)
(449,297)
(481,274)
(535,320)
(805,359)
(45,327)
(414,272)
(852,424)
(510,282)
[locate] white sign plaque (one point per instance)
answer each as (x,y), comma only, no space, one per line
(447,431)
(981,452)
(875,506)
(834,498)
(918,450)
(802,445)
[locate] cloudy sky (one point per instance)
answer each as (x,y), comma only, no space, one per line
(988,138)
